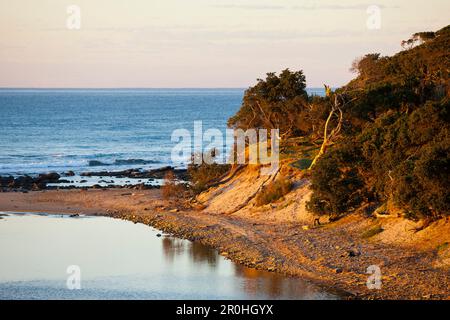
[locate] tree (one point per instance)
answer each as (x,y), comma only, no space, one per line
(337,103)
(365,65)
(417,39)
(273,103)
(395,145)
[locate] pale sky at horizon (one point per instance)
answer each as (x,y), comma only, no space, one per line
(198,43)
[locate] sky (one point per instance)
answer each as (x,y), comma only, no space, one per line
(199,43)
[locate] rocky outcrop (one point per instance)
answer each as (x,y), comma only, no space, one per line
(158,173)
(27,182)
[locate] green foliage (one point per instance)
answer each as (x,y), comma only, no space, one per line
(399,139)
(171,187)
(372,232)
(442,247)
(202,175)
(275,102)
(394,145)
(338,186)
(302,164)
(274,191)
(409,157)
(402,82)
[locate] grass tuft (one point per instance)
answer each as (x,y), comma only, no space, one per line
(274,191)
(372,232)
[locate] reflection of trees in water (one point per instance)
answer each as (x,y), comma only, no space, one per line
(172,247)
(200,253)
(197,252)
(273,285)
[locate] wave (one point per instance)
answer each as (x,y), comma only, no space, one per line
(79,165)
(122,162)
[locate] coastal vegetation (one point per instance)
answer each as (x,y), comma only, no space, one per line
(202,176)
(171,187)
(381,140)
(274,191)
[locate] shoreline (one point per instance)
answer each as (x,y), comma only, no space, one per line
(317,255)
(134,178)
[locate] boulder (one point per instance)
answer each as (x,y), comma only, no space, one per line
(51,177)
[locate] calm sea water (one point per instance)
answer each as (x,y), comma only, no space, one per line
(121,260)
(59,130)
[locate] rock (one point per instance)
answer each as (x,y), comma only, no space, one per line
(74,215)
(353,253)
(51,177)
(37,187)
(141,186)
(338,270)
(158,235)
(69,173)
(22,182)
(174,210)
(5,181)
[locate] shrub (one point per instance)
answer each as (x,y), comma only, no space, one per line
(372,232)
(336,183)
(274,191)
(274,102)
(201,176)
(171,187)
(397,144)
(408,157)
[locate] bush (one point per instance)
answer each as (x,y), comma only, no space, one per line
(274,191)
(372,232)
(274,103)
(337,185)
(201,176)
(409,159)
(171,187)
(397,144)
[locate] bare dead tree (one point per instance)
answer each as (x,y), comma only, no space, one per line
(337,104)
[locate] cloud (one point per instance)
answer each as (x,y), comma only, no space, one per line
(341,7)
(301,7)
(249,6)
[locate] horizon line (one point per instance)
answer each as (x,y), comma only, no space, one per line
(125,88)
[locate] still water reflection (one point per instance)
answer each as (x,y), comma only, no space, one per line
(122,260)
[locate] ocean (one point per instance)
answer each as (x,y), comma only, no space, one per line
(43,130)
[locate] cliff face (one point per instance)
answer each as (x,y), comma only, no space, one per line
(237,196)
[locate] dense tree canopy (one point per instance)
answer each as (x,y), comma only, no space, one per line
(399,137)
(394,146)
(274,102)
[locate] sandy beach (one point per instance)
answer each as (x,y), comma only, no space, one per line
(334,256)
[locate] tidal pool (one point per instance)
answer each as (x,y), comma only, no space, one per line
(121,260)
